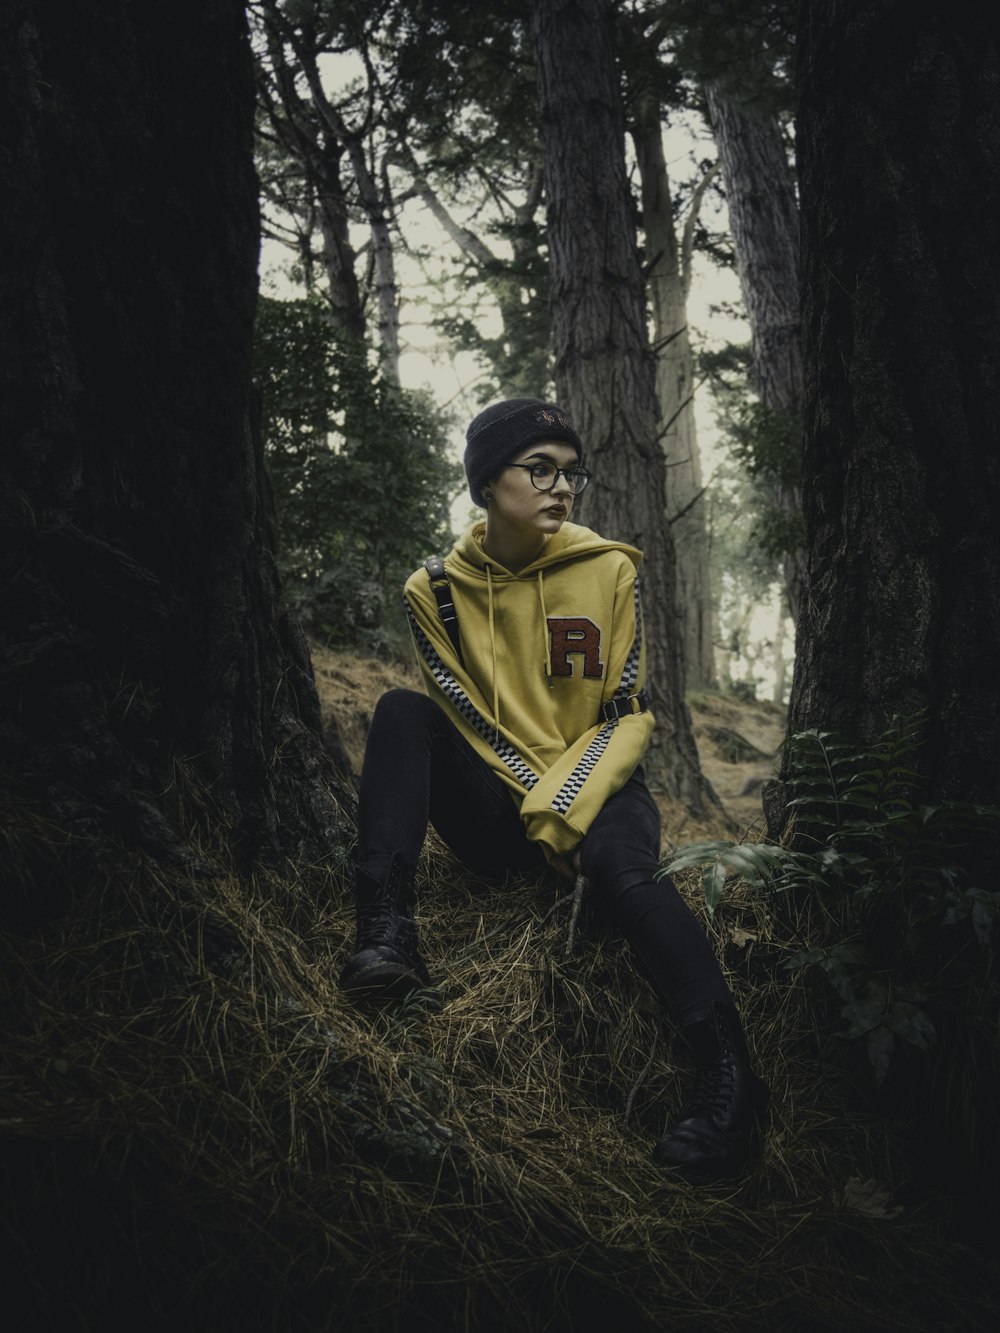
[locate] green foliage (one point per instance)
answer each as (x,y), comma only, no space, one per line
(766,446)
(746,44)
(749,522)
(463,83)
(362,486)
(890,873)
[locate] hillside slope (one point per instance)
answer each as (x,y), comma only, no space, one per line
(738,742)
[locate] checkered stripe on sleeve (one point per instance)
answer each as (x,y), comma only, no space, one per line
(461,702)
(630,673)
(585,765)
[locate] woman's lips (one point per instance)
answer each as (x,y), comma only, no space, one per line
(559,511)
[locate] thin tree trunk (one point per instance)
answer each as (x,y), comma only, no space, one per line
(383,258)
(900,184)
(763,217)
(339,256)
(319,140)
(146,645)
(778,665)
(667,285)
(605,374)
(297,130)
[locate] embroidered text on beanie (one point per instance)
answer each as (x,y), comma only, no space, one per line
(502,430)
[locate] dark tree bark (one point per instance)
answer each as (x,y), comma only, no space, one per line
(763,218)
(900,187)
(605,372)
(147,656)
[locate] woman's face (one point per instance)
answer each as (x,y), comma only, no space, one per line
(518,505)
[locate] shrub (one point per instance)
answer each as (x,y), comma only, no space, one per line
(362,485)
(907,929)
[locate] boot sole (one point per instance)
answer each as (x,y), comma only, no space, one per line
(691,1175)
(383,980)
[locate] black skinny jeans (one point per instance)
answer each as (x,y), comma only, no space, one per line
(418,767)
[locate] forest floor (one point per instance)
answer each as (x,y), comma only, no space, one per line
(200,1132)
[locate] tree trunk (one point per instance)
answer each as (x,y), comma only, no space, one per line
(339,256)
(373,203)
(605,374)
(778,665)
(667,285)
(900,184)
(317,138)
(318,154)
(763,218)
(147,654)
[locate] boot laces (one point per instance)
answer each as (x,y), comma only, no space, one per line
(378,923)
(713,1091)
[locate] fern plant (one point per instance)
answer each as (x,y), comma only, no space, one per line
(889,868)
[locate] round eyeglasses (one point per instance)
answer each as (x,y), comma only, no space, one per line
(544,476)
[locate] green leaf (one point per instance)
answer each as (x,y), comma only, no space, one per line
(865,1013)
(714,883)
(697,854)
(910,1023)
(880,1045)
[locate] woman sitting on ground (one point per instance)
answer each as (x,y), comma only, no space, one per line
(527,750)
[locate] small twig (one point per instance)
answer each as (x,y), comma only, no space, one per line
(559,902)
(578,888)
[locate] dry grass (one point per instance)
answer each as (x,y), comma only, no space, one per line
(201,1134)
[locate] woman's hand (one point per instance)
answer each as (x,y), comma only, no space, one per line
(568,867)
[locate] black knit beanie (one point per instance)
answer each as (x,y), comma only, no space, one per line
(502,430)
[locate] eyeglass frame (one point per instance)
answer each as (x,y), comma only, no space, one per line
(565,471)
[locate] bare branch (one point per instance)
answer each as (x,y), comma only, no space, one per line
(691,221)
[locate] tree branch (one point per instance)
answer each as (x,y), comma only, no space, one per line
(690,222)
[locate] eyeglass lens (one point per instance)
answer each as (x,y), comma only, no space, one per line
(543,477)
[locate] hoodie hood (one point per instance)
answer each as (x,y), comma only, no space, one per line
(571,542)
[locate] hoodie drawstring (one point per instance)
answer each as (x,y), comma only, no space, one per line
(545,628)
(493,649)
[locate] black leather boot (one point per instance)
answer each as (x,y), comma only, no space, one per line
(385,958)
(718,1128)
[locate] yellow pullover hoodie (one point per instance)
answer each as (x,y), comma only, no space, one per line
(542,652)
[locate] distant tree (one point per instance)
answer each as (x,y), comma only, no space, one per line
(517,359)
(739,53)
(605,372)
(668,255)
(327,158)
(146,645)
(900,188)
(465,125)
(763,216)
